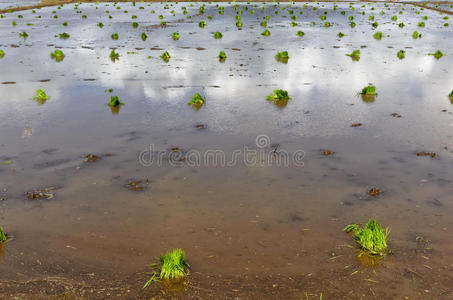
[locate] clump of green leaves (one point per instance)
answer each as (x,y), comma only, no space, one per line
(451,94)
(114,36)
(371,238)
(2,235)
(58,55)
(282,57)
(421,24)
(134,24)
(266,33)
(100,25)
(375,24)
(401,54)
(173,267)
(64,36)
(115,101)
(202,24)
(144,36)
(300,33)
(369,90)
(218,35)
(222,56)
(165,56)
(341,34)
(197,100)
(355,55)
(175,36)
(438,54)
(378,35)
(2,53)
(114,55)
(278,95)
(40,96)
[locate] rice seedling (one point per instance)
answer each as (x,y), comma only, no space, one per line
(416,35)
(278,95)
(2,235)
(114,36)
(451,94)
(196,101)
(202,24)
(23,34)
(394,18)
(421,24)
(378,35)
(401,54)
(218,35)
(175,36)
(100,25)
(369,90)
(438,54)
(64,36)
(341,34)
(114,55)
(58,55)
(134,24)
(239,24)
(282,57)
(352,24)
(165,56)
(327,24)
(115,101)
(65,24)
(40,96)
(266,33)
(143,36)
(2,53)
(375,24)
(173,267)
(355,55)
(222,56)
(300,33)
(263,24)
(372,238)
(401,25)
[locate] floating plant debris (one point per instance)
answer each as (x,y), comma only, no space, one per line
(372,238)
(58,55)
(374,191)
(424,153)
(173,267)
(327,152)
(137,185)
(45,193)
(91,158)
(355,55)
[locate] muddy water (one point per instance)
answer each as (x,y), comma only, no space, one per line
(246,217)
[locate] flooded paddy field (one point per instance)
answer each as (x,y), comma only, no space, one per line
(256,192)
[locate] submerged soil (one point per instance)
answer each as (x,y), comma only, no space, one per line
(256,193)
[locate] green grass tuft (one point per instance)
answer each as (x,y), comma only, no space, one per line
(371,238)
(355,55)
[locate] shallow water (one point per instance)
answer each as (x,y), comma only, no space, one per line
(250,216)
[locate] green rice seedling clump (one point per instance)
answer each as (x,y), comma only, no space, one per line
(23,34)
(278,95)
(378,35)
(2,235)
(58,55)
(2,53)
(438,54)
(266,33)
(300,33)
(451,94)
(222,56)
(143,36)
(40,95)
(202,24)
(282,56)
(114,36)
(64,36)
(369,90)
(416,35)
(371,238)
(165,56)
(355,55)
(175,36)
(196,100)
(341,34)
(174,265)
(114,55)
(401,54)
(218,35)
(115,101)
